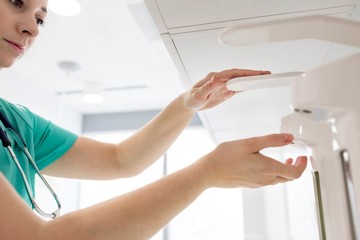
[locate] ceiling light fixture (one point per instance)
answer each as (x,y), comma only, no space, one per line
(93,92)
(68,67)
(65,7)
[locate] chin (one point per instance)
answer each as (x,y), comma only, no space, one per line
(6,64)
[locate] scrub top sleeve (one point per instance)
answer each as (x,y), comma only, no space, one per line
(50,141)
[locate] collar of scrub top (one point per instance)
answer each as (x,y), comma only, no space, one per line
(21,143)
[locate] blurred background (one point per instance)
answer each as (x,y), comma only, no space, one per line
(107,67)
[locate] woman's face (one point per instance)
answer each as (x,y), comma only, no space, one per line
(19,26)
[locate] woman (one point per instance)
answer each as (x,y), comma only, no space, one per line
(141,213)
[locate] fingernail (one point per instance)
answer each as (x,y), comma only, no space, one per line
(288,137)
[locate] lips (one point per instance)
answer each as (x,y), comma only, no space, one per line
(20,48)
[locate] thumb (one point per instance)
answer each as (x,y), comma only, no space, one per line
(272,140)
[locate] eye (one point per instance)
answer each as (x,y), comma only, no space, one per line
(40,22)
(18,3)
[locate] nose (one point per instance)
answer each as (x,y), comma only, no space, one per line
(29,27)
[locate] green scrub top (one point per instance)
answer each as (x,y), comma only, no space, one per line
(45,141)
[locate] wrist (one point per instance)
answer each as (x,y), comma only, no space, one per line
(204,173)
(180,104)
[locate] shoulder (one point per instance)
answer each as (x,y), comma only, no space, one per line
(17,112)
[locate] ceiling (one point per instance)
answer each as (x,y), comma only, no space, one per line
(115,43)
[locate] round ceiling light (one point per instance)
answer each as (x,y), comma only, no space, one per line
(93,92)
(65,7)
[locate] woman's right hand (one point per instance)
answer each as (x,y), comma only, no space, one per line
(240,163)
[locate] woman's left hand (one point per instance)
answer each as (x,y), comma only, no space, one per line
(212,90)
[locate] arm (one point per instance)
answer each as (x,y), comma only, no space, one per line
(17,220)
(140,214)
(95,160)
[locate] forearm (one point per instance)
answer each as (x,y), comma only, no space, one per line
(152,141)
(137,215)
(141,213)
(92,159)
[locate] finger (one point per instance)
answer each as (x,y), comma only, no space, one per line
(289,161)
(208,79)
(272,140)
(235,72)
(203,81)
(301,161)
(229,74)
(291,171)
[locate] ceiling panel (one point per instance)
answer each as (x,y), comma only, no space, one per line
(184,13)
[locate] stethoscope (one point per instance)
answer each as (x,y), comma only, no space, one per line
(7,145)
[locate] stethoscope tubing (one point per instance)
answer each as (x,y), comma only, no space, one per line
(7,145)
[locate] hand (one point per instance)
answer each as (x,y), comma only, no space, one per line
(240,163)
(212,90)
